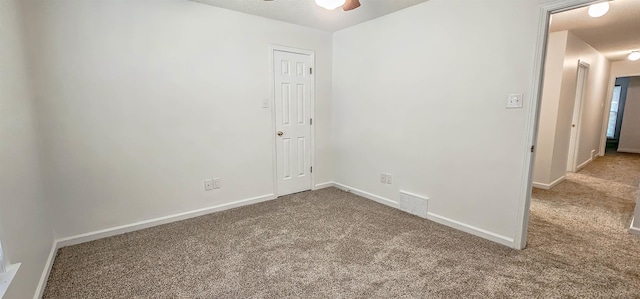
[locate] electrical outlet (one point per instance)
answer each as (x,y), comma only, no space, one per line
(389,178)
(383,178)
(515,100)
(216,183)
(208,185)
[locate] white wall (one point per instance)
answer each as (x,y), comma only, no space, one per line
(421,94)
(143,100)
(630,131)
(558,103)
(553,71)
(624,68)
(594,101)
(24,225)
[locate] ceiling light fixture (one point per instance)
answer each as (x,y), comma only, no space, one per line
(330,4)
(634,56)
(599,9)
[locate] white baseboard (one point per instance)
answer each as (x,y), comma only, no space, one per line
(367,195)
(470,229)
(47,270)
(82,238)
(583,165)
(500,239)
(323,185)
(629,150)
(633,229)
(549,186)
(91,236)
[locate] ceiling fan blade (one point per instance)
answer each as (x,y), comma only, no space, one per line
(351,4)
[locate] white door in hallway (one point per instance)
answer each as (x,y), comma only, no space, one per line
(574,142)
(293,79)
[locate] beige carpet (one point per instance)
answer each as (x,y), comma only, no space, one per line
(330,243)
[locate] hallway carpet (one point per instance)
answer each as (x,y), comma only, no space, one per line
(333,244)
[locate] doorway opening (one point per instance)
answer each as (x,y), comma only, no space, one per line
(621,136)
(579,60)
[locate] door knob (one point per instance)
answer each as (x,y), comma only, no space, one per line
(573,125)
(280,133)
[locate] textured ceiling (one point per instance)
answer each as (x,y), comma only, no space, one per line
(614,34)
(307,13)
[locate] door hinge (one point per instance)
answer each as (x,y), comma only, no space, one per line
(311,169)
(533,147)
(311,121)
(311,70)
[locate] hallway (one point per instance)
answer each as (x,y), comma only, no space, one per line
(603,193)
(584,221)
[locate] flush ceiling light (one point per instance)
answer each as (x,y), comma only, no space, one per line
(330,4)
(634,56)
(599,9)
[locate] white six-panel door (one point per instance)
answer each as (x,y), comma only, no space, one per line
(293,80)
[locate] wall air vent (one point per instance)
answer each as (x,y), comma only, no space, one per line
(413,204)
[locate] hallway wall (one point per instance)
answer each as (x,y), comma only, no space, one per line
(557,108)
(554,64)
(630,132)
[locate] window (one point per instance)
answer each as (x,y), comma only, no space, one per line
(613,113)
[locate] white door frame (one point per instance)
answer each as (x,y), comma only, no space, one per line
(533,112)
(576,118)
(312,112)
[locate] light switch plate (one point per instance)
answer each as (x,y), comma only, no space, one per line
(515,100)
